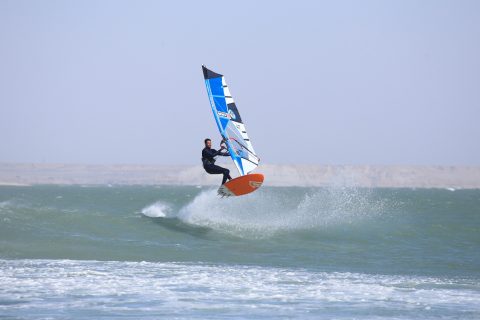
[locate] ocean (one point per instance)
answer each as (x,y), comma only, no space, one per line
(178,252)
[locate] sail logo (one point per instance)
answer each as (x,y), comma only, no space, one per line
(232,114)
(223,114)
(255,184)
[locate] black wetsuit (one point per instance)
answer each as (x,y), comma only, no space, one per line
(209,165)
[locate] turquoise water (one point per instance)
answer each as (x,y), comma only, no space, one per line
(72,252)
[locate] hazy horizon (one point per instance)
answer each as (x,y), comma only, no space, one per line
(316,82)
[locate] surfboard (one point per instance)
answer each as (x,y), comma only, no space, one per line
(232,129)
(241,185)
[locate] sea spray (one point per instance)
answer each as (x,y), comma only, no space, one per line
(262,214)
(157,210)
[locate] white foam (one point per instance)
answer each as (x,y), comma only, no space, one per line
(157,210)
(65,286)
(5,206)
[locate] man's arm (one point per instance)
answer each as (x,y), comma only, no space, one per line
(212,152)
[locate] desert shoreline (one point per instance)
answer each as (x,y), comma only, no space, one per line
(398,176)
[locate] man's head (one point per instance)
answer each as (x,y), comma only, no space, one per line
(208,143)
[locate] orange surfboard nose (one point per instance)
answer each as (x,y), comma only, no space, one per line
(242,185)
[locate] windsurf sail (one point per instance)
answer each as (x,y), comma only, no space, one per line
(229,122)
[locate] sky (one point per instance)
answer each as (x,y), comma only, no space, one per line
(316,82)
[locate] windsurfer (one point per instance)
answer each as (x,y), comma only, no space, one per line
(208,160)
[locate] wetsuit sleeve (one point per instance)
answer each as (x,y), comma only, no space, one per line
(210,153)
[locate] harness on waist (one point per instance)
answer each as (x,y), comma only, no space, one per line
(207,161)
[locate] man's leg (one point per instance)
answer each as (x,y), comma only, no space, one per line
(214,169)
(226,175)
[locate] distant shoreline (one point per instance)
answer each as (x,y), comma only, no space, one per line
(13,184)
(456,177)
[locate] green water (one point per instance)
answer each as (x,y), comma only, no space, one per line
(403,243)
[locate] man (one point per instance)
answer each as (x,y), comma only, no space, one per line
(208,160)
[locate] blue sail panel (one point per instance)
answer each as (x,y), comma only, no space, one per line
(216,86)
